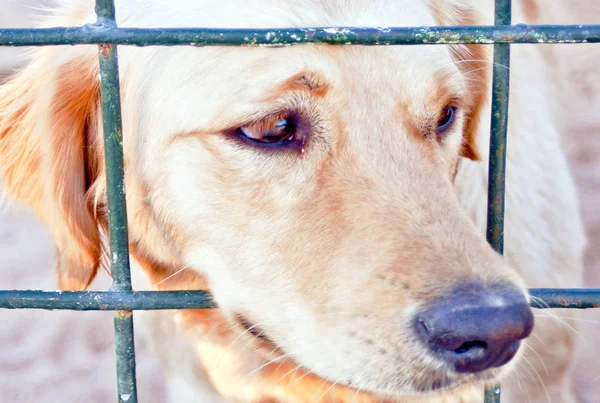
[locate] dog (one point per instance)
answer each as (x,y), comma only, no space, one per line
(332,199)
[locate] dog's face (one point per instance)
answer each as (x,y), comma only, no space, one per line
(312,187)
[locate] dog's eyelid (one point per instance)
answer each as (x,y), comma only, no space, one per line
(252,119)
(447,116)
(278,130)
(447,119)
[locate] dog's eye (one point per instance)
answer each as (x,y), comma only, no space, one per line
(278,130)
(447,119)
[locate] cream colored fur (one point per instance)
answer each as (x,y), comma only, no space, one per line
(329,249)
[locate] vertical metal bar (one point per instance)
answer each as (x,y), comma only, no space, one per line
(113,143)
(492,394)
(497,162)
(499,126)
(117,211)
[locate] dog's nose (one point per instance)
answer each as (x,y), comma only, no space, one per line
(475,327)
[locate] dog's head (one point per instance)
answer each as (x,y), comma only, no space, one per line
(311,186)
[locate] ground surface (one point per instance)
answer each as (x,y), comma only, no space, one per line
(51,357)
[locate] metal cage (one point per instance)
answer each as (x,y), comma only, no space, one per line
(107,36)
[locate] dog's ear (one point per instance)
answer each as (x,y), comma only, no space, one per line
(49,153)
(475,63)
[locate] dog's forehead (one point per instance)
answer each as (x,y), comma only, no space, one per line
(221,85)
(275,13)
(211,88)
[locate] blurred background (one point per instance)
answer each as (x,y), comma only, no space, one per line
(50,357)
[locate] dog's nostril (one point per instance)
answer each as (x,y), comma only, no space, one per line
(470,346)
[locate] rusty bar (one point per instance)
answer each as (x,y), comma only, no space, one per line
(573,298)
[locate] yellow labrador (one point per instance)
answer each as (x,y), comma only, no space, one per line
(332,199)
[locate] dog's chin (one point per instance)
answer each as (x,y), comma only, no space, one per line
(440,385)
(438,381)
(443,384)
(449,384)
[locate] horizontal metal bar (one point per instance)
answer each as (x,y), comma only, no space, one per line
(580,298)
(105,34)
(104,300)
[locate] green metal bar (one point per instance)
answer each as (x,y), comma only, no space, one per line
(113,144)
(542,298)
(117,211)
(574,298)
(492,394)
(105,11)
(497,159)
(110,34)
(125,349)
(499,129)
(106,301)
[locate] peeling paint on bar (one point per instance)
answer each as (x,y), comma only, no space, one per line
(107,33)
(573,298)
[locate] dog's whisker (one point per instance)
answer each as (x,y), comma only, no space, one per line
(327,391)
(355,394)
(268,363)
(517,376)
(530,348)
(272,351)
(236,339)
(564,323)
(280,363)
(257,336)
(553,315)
(530,377)
(538,338)
(540,301)
(488,62)
(171,275)
(308,372)
(295,369)
(513,375)
(539,378)
(317,391)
